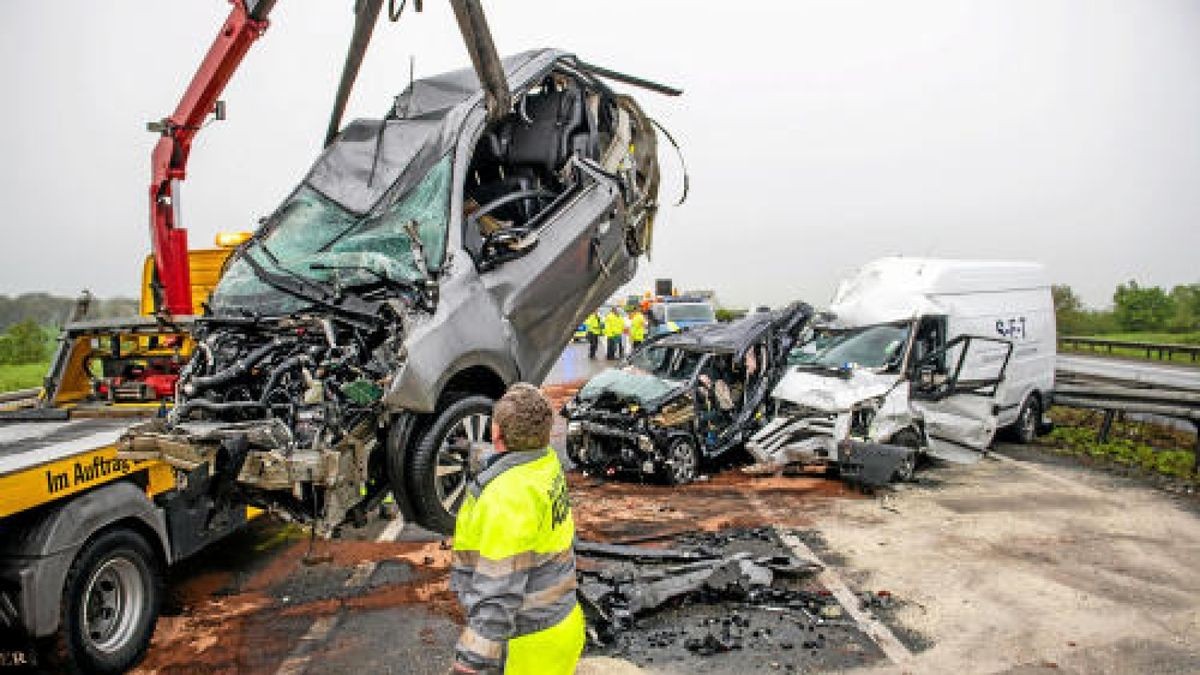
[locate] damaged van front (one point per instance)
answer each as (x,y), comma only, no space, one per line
(428,260)
(683,399)
(901,366)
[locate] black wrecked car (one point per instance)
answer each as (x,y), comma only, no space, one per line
(684,398)
(429,259)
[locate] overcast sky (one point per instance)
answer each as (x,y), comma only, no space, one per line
(819,135)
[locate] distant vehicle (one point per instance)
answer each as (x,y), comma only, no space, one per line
(580,333)
(672,314)
(919,355)
(683,398)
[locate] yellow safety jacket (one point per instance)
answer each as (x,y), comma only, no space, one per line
(637,329)
(592,323)
(614,325)
(514,562)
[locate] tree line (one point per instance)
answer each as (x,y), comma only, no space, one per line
(30,322)
(1135,309)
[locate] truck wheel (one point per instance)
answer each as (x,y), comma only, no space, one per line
(109,604)
(441,461)
(683,462)
(1025,429)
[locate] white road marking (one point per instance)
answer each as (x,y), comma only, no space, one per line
(875,629)
(297,661)
(872,627)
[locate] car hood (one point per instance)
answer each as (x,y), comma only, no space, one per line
(832,392)
(627,385)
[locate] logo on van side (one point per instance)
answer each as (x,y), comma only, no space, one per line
(1013,329)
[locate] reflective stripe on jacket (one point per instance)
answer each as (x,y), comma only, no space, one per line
(613,325)
(514,564)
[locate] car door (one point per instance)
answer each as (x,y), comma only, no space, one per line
(577,259)
(953,391)
(763,362)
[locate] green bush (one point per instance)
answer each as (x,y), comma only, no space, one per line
(25,342)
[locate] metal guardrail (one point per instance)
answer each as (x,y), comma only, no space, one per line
(19,395)
(1180,405)
(1159,350)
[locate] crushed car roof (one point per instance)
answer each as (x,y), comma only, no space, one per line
(733,337)
(372,158)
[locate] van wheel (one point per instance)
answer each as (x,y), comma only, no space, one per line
(907,469)
(682,463)
(1025,429)
(109,605)
(440,468)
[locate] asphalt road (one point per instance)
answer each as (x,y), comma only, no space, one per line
(1002,566)
(1145,372)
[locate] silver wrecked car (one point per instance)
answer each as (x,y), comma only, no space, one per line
(429,259)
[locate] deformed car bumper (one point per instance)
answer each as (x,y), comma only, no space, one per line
(609,446)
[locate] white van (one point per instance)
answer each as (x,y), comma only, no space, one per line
(919,354)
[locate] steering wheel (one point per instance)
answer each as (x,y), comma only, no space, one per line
(538,193)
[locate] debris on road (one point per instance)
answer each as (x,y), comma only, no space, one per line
(743,592)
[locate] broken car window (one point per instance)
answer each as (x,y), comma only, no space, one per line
(315,240)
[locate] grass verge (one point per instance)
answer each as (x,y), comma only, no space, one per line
(1146,446)
(23,376)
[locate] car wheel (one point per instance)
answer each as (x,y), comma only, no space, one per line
(1025,429)
(682,462)
(907,469)
(440,467)
(109,605)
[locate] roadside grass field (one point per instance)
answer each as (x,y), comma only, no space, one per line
(24,376)
(1192,338)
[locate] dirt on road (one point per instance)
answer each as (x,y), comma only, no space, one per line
(1032,565)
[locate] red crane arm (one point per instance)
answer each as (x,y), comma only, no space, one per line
(246,23)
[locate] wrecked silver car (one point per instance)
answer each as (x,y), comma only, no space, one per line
(684,398)
(430,258)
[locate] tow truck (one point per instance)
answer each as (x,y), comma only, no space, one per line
(85,535)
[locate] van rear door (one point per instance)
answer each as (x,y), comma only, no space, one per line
(954,391)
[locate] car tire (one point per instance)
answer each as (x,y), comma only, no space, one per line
(110,604)
(440,463)
(1025,429)
(907,470)
(683,462)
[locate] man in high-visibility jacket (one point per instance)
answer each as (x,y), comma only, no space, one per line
(592,324)
(614,328)
(514,561)
(637,329)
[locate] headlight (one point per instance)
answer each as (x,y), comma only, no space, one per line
(574,428)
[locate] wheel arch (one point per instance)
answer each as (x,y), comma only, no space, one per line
(54,540)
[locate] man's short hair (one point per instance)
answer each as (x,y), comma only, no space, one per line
(524,417)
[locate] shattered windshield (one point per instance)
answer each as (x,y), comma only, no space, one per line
(870,347)
(666,362)
(318,243)
(691,312)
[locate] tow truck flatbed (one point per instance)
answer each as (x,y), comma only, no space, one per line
(41,462)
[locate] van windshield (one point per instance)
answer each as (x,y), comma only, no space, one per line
(880,347)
